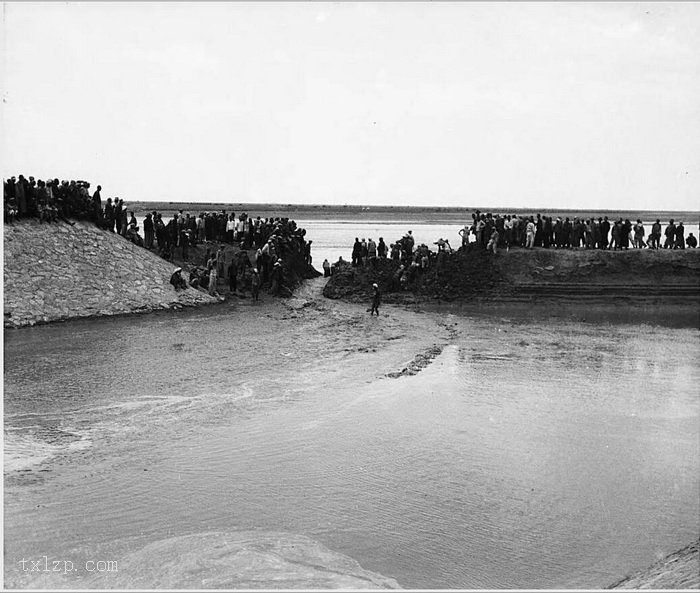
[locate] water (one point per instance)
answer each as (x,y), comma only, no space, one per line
(333,239)
(533,452)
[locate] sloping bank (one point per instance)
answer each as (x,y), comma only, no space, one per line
(519,274)
(680,570)
(55,272)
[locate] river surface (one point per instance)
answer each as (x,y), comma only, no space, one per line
(533,452)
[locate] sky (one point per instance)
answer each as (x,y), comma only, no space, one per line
(571,105)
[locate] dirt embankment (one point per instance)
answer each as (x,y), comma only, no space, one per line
(680,570)
(635,275)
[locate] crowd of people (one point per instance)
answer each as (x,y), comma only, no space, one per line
(412,259)
(489,232)
(263,242)
(492,232)
(48,200)
(264,245)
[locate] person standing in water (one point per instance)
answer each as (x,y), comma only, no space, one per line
(376,299)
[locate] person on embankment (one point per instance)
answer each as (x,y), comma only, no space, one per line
(177,280)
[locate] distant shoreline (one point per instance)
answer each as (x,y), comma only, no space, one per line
(427,214)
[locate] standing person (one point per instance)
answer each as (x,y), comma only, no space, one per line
(376,299)
(148,231)
(493,241)
(276,278)
(232,275)
(410,242)
(625,234)
(670,233)
(464,233)
(97,206)
(605,233)
(615,241)
(118,215)
(255,284)
(20,189)
(123,219)
(213,278)
(356,250)
(230,228)
(326,268)
(109,215)
(655,236)
(220,261)
(639,235)
(381,248)
(680,238)
(479,228)
(530,230)
(372,251)
(185,243)
(508,230)
(363,252)
(201,235)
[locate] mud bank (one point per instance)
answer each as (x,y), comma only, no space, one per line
(680,570)
(636,277)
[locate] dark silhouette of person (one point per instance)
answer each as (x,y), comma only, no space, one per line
(376,300)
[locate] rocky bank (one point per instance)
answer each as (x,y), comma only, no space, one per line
(55,272)
(680,570)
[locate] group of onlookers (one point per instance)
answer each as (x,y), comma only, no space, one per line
(505,231)
(490,232)
(258,263)
(47,200)
(265,241)
(402,250)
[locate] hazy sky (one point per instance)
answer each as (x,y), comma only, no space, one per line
(501,104)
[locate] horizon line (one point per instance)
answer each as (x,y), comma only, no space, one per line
(367,207)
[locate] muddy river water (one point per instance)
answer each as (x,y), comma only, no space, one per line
(533,451)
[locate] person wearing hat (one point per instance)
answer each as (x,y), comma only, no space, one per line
(177,280)
(376,299)
(276,277)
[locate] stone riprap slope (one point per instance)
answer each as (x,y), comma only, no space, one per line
(680,570)
(56,271)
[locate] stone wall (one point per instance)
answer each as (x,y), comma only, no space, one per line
(56,271)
